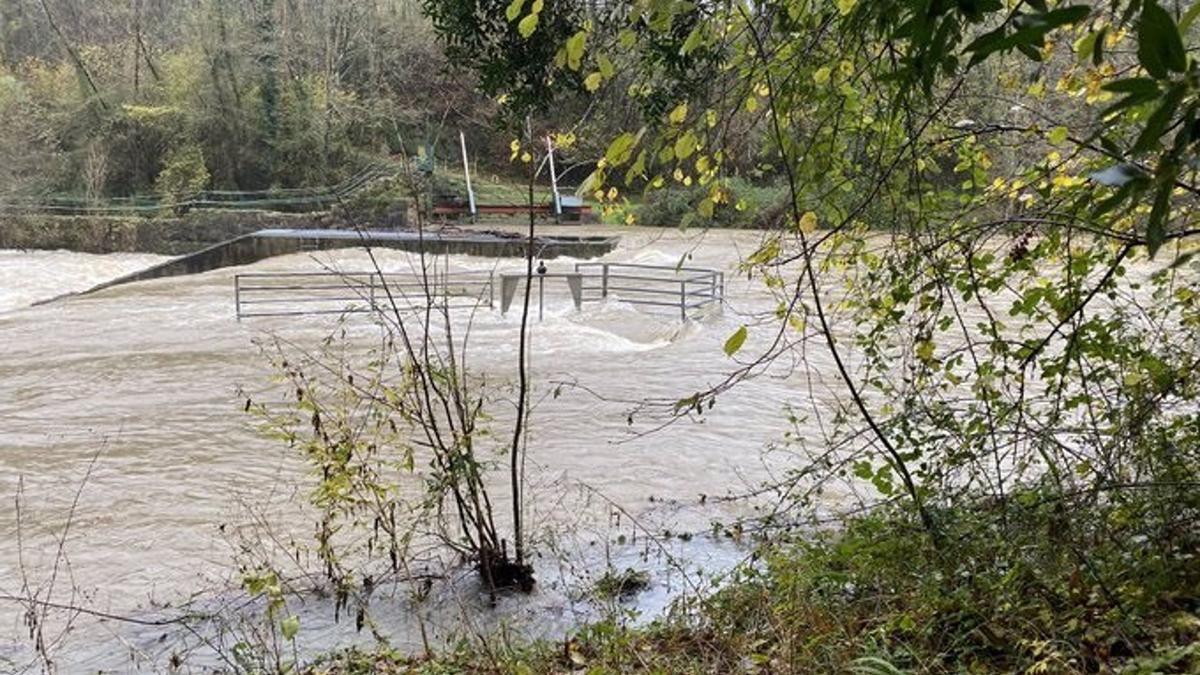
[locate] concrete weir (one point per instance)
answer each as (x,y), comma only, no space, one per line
(262,244)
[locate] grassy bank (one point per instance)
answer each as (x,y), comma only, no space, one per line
(992,593)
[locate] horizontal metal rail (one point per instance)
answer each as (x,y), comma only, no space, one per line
(262,294)
(357,292)
(642,284)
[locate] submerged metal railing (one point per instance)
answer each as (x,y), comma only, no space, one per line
(685,288)
(305,293)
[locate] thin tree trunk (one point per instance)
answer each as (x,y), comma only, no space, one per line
(75,58)
(137,46)
(522,372)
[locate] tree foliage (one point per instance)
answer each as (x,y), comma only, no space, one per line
(1027,317)
(273,94)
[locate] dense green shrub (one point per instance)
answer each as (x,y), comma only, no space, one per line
(750,206)
(183,175)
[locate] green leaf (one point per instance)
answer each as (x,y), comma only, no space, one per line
(607,69)
(1188,17)
(514,10)
(620,150)
(735,341)
(1086,45)
(1156,226)
(1141,86)
(1030,34)
(1160,48)
(528,26)
(289,627)
(1127,102)
(637,169)
(1098,49)
(1057,135)
(574,48)
(592,82)
(1065,16)
(1159,120)
(864,470)
(685,146)
(694,40)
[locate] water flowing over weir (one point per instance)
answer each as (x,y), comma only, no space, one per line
(144,377)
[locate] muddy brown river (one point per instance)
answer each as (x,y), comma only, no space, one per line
(122,426)
(139,384)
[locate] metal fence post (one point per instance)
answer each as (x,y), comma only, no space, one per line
(237,295)
(541,297)
(683,300)
(604,282)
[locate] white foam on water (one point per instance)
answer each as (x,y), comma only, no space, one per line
(27,277)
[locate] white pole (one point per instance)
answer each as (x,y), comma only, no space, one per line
(462,139)
(553,179)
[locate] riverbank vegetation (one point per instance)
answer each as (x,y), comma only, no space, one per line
(1018,403)
(980,236)
(144,101)
(877,597)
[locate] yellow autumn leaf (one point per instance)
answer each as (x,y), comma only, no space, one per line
(514,10)
(808,222)
(528,25)
(679,114)
(686,145)
(822,75)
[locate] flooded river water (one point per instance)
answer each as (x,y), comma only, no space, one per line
(143,379)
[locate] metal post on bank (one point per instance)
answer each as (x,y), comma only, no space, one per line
(462,141)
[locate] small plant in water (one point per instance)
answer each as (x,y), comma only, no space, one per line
(621,585)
